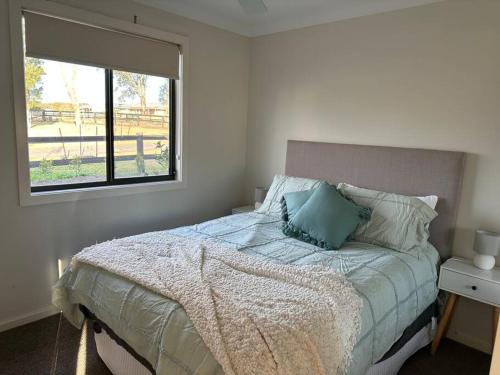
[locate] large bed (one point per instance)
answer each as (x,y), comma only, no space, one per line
(140,331)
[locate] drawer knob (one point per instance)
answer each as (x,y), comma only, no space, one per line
(474,287)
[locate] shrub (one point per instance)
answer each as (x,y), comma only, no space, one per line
(162,154)
(46,167)
(76,165)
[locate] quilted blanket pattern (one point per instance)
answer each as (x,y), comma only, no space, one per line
(395,288)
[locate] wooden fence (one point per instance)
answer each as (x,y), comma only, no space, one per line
(139,139)
(52,117)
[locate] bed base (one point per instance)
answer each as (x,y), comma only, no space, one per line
(121,362)
(116,358)
(393,364)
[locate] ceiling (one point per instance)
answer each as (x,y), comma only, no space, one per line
(281,15)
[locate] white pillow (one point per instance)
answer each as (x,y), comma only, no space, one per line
(281,185)
(398,221)
(430,200)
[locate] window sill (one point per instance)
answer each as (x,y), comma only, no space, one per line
(57,196)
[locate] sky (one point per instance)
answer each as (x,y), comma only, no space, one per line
(90,86)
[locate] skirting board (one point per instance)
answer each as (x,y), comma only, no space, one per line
(28,318)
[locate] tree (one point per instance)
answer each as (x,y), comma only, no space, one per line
(163,95)
(132,85)
(69,74)
(164,99)
(33,81)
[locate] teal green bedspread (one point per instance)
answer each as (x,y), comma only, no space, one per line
(395,288)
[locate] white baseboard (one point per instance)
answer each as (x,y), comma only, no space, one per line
(474,342)
(28,318)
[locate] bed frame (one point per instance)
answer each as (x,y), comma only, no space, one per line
(399,170)
(406,171)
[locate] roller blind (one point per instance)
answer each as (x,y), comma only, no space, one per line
(56,39)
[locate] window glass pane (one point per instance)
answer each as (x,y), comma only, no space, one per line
(66,122)
(141,124)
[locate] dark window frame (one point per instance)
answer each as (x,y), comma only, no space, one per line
(111,180)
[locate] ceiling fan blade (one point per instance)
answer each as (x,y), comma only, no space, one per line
(253,6)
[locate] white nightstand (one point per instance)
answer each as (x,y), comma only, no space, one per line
(243,209)
(462,279)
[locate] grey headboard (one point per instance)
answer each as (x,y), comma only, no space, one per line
(399,170)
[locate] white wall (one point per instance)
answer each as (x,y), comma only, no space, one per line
(425,77)
(32,238)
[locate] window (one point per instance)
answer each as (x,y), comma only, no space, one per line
(89,126)
(66,124)
(152,147)
(99,104)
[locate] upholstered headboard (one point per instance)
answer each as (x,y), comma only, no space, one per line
(399,170)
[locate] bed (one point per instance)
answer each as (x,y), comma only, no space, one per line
(139,331)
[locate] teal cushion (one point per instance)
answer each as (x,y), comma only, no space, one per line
(292,202)
(326,219)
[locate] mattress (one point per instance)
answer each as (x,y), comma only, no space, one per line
(395,287)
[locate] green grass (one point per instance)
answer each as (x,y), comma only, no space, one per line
(56,174)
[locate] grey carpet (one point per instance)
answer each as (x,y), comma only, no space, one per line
(49,346)
(52,345)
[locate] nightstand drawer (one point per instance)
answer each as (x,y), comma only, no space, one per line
(469,286)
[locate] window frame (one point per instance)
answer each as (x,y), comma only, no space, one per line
(111,180)
(122,186)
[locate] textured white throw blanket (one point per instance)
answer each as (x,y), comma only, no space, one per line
(255,317)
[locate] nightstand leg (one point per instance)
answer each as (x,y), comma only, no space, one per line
(495,360)
(443,323)
(496,313)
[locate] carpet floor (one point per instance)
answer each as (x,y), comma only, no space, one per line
(53,346)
